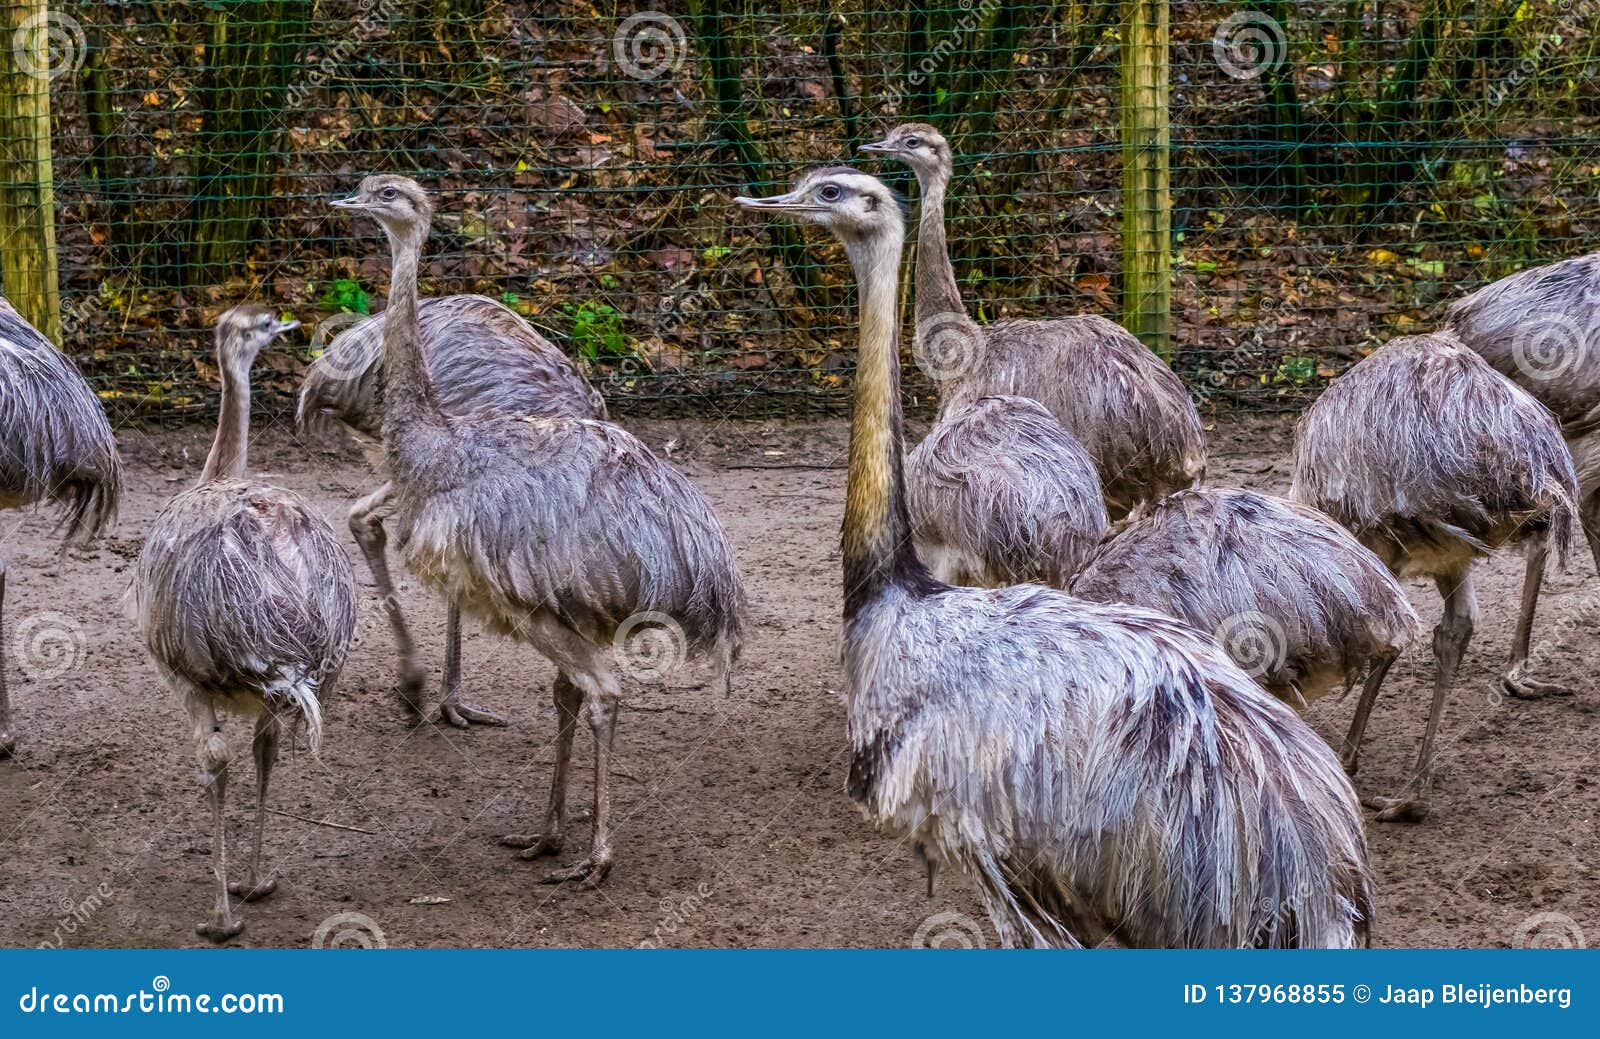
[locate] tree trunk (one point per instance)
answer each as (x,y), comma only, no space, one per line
(27,186)
(1146,166)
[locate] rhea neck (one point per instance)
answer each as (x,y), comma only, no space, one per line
(937,291)
(877,548)
(228,451)
(408,393)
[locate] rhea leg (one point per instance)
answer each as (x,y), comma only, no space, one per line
(1589,517)
(1376,671)
(600,712)
(212,752)
(8,741)
(568,700)
(1450,640)
(265,748)
(1515,681)
(451,709)
(366,524)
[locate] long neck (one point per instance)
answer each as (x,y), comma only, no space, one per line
(937,291)
(227,458)
(877,527)
(408,394)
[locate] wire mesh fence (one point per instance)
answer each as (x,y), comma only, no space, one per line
(1339,171)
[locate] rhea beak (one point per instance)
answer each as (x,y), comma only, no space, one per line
(286,326)
(353,202)
(793,202)
(883,147)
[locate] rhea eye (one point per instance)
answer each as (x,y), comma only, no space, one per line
(830,193)
(913,142)
(390,193)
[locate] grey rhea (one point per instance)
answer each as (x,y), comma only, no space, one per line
(1124,405)
(564,533)
(1000,494)
(1292,596)
(56,446)
(481,356)
(1101,771)
(1541,329)
(1433,460)
(246,602)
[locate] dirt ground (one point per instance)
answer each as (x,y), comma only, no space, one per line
(733,825)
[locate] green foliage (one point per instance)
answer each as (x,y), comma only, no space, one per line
(597,330)
(346,294)
(1296,369)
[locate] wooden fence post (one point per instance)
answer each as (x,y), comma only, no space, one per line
(27,189)
(1146,175)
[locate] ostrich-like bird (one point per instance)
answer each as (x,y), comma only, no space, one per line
(1295,599)
(1100,770)
(1541,329)
(246,602)
(481,356)
(564,533)
(1122,403)
(1433,460)
(55,446)
(1000,494)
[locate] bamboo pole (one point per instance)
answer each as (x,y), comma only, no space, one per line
(1146,175)
(27,189)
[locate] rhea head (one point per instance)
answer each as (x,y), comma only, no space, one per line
(858,208)
(246,330)
(396,202)
(918,145)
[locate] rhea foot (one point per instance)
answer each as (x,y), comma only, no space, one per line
(535,845)
(8,744)
(1517,684)
(252,890)
(463,715)
(221,930)
(1350,762)
(1399,809)
(588,873)
(411,694)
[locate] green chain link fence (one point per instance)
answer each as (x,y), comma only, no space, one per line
(1339,171)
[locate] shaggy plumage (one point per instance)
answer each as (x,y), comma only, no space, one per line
(481,356)
(559,532)
(1541,329)
(1293,598)
(56,446)
(1001,494)
(1099,770)
(246,603)
(1126,407)
(1432,459)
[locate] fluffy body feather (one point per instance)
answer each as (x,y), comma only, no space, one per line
(1001,494)
(1289,594)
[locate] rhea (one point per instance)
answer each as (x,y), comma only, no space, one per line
(480,356)
(246,603)
(1292,596)
(56,446)
(563,533)
(1107,389)
(1541,329)
(1102,771)
(1433,460)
